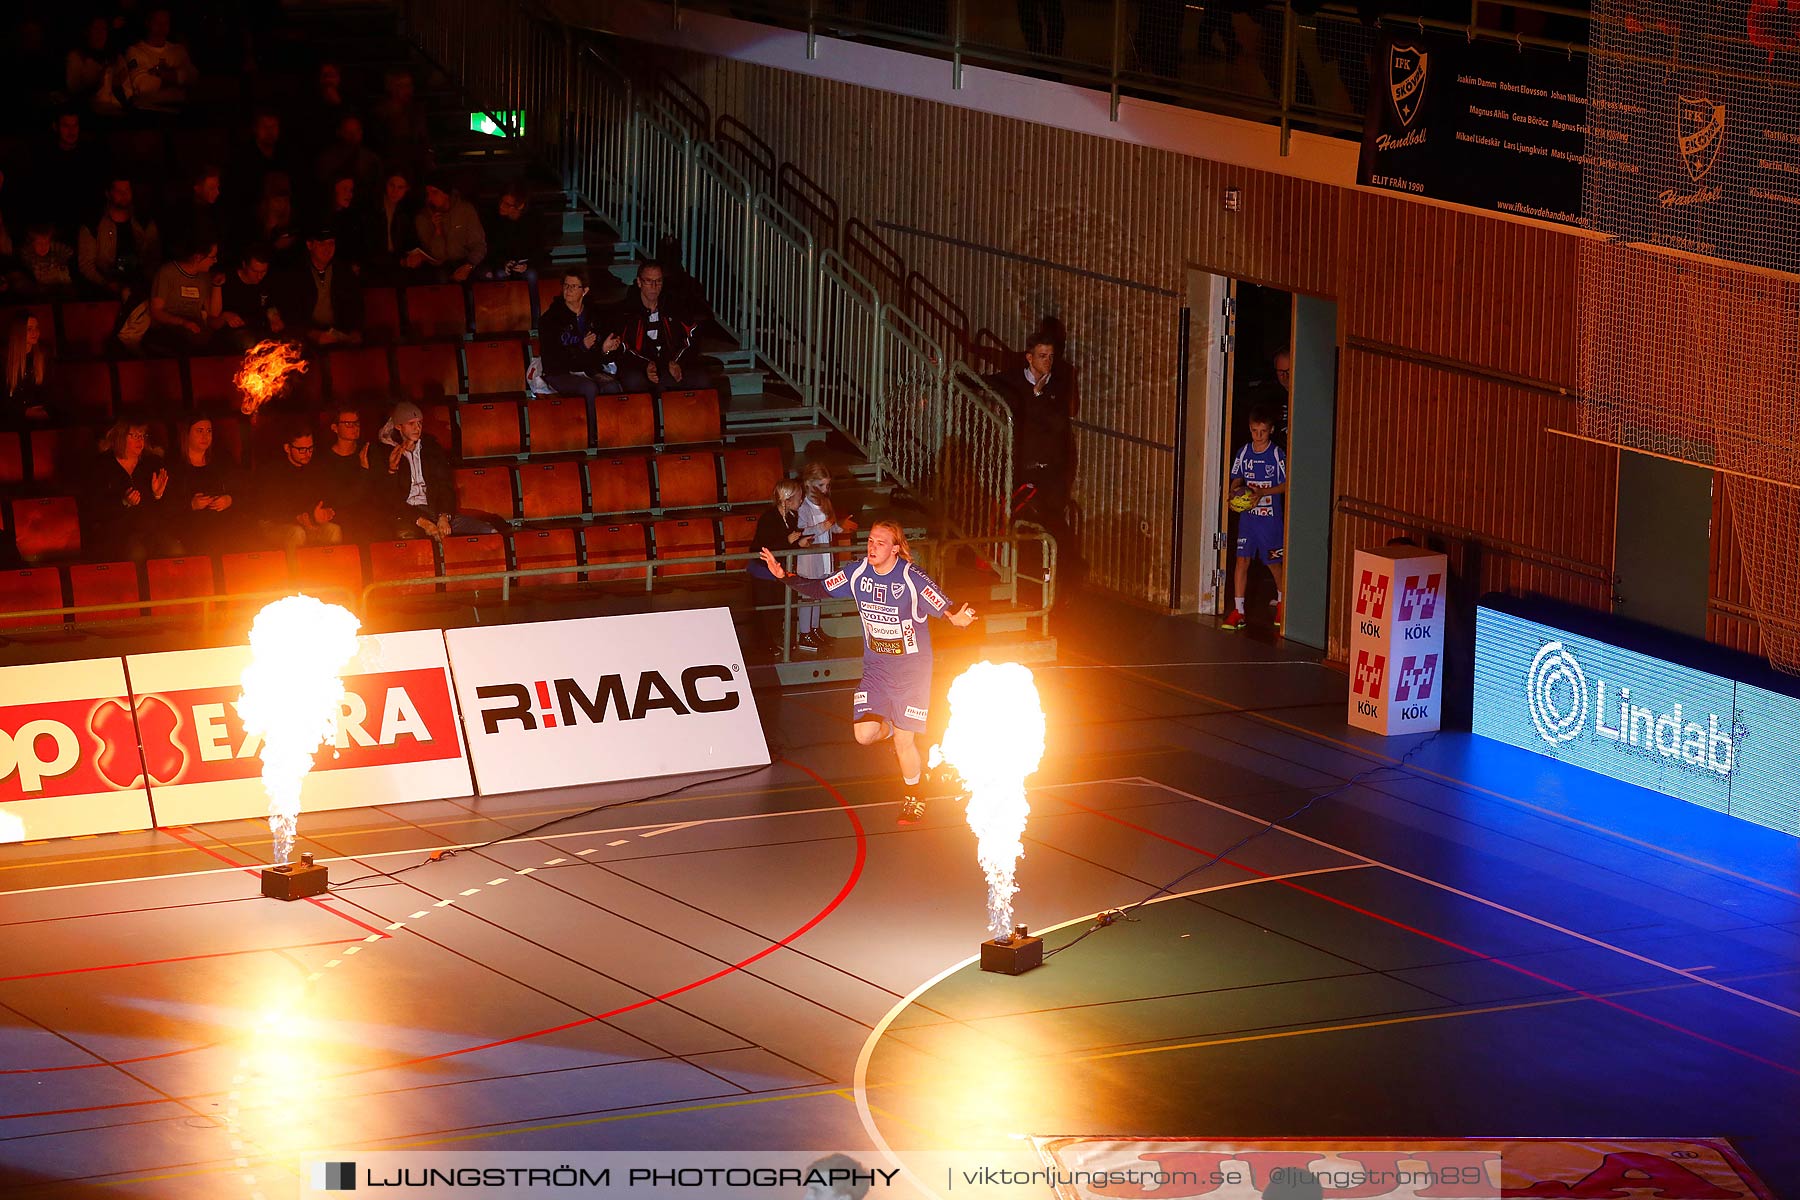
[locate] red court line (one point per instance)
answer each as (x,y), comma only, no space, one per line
(1458,946)
(256,872)
(849,885)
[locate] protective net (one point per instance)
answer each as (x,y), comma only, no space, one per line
(1690,313)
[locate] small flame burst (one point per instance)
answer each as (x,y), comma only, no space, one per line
(292,694)
(265,372)
(996,739)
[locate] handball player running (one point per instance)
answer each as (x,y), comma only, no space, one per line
(894,600)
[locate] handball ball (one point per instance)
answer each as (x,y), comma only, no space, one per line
(1243,501)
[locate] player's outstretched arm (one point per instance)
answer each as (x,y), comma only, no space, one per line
(769,561)
(963,617)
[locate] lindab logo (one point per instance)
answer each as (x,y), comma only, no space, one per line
(553,703)
(1557,694)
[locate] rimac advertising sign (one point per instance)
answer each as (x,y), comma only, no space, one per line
(1688,733)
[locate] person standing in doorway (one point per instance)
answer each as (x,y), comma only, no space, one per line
(1258,482)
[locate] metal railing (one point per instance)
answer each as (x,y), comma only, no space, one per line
(646,166)
(145,610)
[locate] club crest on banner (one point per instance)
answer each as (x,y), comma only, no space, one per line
(1407,67)
(1700,132)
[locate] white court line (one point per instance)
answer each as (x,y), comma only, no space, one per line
(1687,974)
(859,1086)
(669,829)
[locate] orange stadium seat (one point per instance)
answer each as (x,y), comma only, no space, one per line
(690,417)
(620,484)
(86,325)
(63,453)
(751,473)
(333,573)
(426,373)
(474,554)
(614,544)
(32,588)
(408,558)
(179,579)
(255,571)
(105,583)
(737,531)
(489,428)
(210,380)
(436,310)
(12,457)
(681,540)
(381,314)
(360,375)
(541,549)
(503,306)
(485,490)
(549,289)
(89,389)
(440,424)
(150,383)
(46,527)
(625,420)
(548,490)
(687,479)
(496,368)
(558,424)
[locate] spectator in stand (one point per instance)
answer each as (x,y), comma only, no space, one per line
(34,72)
(27,362)
(271,223)
(119,252)
(253,164)
(515,241)
(777,529)
(350,482)
(201,487)
(199,220)
(397,124)
(388,230)
(579,354)
(44,265)
(451,242)
(345,220)
(818,522)
(346,155)
(185,305)
(123,513)
(158,72)
(318,299)
(94,70)
(418,492)
(315,119)
(1039,396)
(657,350)
(67,169)
(293,504)
(246,308)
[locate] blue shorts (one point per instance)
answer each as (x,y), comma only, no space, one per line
(902,696)
(1260,537)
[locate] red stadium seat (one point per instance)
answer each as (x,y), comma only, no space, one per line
(427,373)
(612,544)
(440,424)
(737,532)
(625,420)
(501,307)
(177,579)
(558,424)
(331,573)
(548,490)
(410,558)
(489,428)
(86,326)
(381,314)
(63,453)
(229,435)
(687,480)
(360,375)
(620,485)
(46,527)
(751,473)
(105,583)
(436,310)
(474,554)
(89,389)
(690,417)
(32,588)
(255,571)
(12,457)
(681,540)
(496,368)
(549,289)
(210,381)
(541,549)
(149,383)
(485,490)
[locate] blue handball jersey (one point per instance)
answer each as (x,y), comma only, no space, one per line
(1261,470)
(894,608)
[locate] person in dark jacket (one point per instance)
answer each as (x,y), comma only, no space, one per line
(1043,450)
(777,529)
(317,298)
(657,350)
(200,492)
(123,509)
(418,489)
(292,507)
(580,356)
(515,236)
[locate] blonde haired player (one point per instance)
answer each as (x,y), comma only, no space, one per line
(895,600)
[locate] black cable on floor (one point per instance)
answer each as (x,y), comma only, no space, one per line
(440,855)
(1115,915)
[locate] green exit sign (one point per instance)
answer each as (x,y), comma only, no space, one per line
(513,124)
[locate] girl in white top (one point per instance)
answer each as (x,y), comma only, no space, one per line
(818,521)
